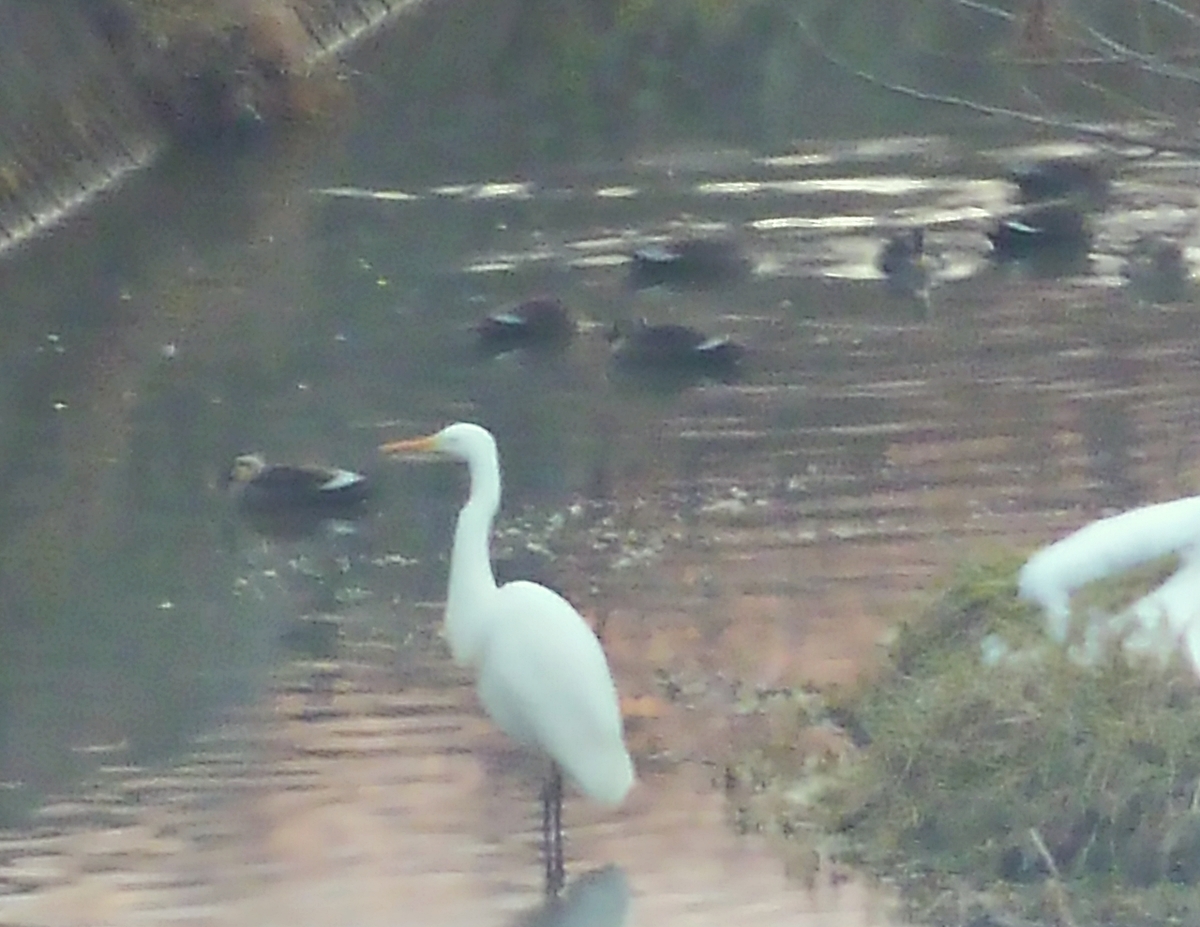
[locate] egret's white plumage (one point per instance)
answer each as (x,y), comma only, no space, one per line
(1166,618)
(546,684)
(540,670)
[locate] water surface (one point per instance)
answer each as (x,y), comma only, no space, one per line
(200,723)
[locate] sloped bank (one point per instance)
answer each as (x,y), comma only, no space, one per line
(992,778)
(93,89)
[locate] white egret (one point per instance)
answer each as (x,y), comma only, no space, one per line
(1166,618)
(540,671)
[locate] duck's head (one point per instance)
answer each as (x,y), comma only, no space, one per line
(245,468)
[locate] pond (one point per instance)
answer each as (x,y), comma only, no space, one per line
(205,723)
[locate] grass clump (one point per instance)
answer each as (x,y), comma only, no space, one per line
(994,777)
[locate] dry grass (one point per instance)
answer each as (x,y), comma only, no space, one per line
(1033,788)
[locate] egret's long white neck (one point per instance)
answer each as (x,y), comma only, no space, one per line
(472,582)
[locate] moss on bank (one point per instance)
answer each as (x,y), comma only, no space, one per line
(1032,787)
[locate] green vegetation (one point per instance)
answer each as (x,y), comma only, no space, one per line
(1033,787)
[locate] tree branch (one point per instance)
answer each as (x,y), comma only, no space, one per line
(1092,130)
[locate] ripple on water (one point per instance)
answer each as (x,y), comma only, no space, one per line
(382,800)
(867,449)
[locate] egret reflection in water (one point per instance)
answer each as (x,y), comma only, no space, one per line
(596,899)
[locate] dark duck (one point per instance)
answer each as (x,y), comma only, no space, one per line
(687,262)
(1058,229)
(674,349)
(539,322)
(903,264)
(1157,271)
(264,487)
(1080,179)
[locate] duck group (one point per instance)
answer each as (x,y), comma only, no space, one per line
(287,500)
(1051,224)
(1048,228)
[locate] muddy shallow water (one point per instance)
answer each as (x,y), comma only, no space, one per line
(202,725)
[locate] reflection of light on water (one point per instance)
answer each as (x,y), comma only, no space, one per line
(357,796)
(359,193)
(879,186)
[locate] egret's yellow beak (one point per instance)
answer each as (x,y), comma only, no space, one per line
(411,446)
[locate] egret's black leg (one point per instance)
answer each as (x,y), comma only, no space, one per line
(552,834)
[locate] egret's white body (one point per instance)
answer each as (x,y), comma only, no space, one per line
(540,670)
(1168,617)
(546,684)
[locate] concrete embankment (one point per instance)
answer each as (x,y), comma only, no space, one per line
(93,89)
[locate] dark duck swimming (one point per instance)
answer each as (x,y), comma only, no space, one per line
(674,348)
(903,263)
(1040,230)
(1157,272)
(539,322)
(687,262)
(260,486)
(1084,180)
